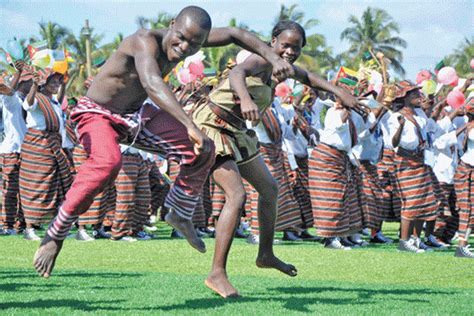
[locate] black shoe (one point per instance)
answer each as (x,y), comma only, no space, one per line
(306,236)
(239,233)
(290,236)
(347,243)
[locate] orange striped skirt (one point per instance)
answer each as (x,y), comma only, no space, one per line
(334,198)
(390,202)
(464,186)
(370,192)
(417,191)
(10,165)
(45,175)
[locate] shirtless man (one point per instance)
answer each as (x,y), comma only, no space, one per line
(112,112)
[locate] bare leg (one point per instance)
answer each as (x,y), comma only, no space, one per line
(257,174)
(406,229)
(227,177)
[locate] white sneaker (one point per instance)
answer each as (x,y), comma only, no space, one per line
(253,239)
(335,243)
(421,245)
(464,252)
(30,234)
(409,246)
(151,228)
(152,219)
(128,239)
(82,235)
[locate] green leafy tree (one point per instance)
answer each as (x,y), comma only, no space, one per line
(461,58)
(377,31)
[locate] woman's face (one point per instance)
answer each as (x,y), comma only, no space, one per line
(54,83)
(414,98)
(288,45)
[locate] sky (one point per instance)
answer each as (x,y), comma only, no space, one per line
(432,29)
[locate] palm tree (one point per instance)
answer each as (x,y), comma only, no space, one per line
(375,31)
(54,34)
(77,47)
(461,58)
(162,21)
(291,13)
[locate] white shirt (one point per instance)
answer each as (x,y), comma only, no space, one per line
(35,119)
(387,126)
(14,124)
(284,122)
(335,132)
(468,156)
(318,106)
(369,144)
(409,138)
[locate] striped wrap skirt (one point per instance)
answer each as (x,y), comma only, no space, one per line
(464,186)
(301,191)
(417,190)
(447,222)
(45,175)
(334,196)
(10,164)
(370,193)
(390,202)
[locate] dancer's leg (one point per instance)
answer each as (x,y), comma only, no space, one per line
(100,140)
(227,177)
(257,174)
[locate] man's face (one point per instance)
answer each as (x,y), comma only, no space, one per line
(185,39)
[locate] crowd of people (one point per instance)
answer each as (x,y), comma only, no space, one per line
(227,157)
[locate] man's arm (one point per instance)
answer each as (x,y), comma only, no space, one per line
(145,52)
(222,36)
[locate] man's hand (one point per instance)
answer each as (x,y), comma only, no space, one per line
(282,69)
(249,110)
(202,143)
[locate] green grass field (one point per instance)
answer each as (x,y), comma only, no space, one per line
(165,276)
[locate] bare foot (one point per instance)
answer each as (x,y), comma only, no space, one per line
(186,228)
(46,255)
(272,262)
(219,283)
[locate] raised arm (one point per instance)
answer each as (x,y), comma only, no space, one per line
(222,36)
(145,55)
(315,81)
